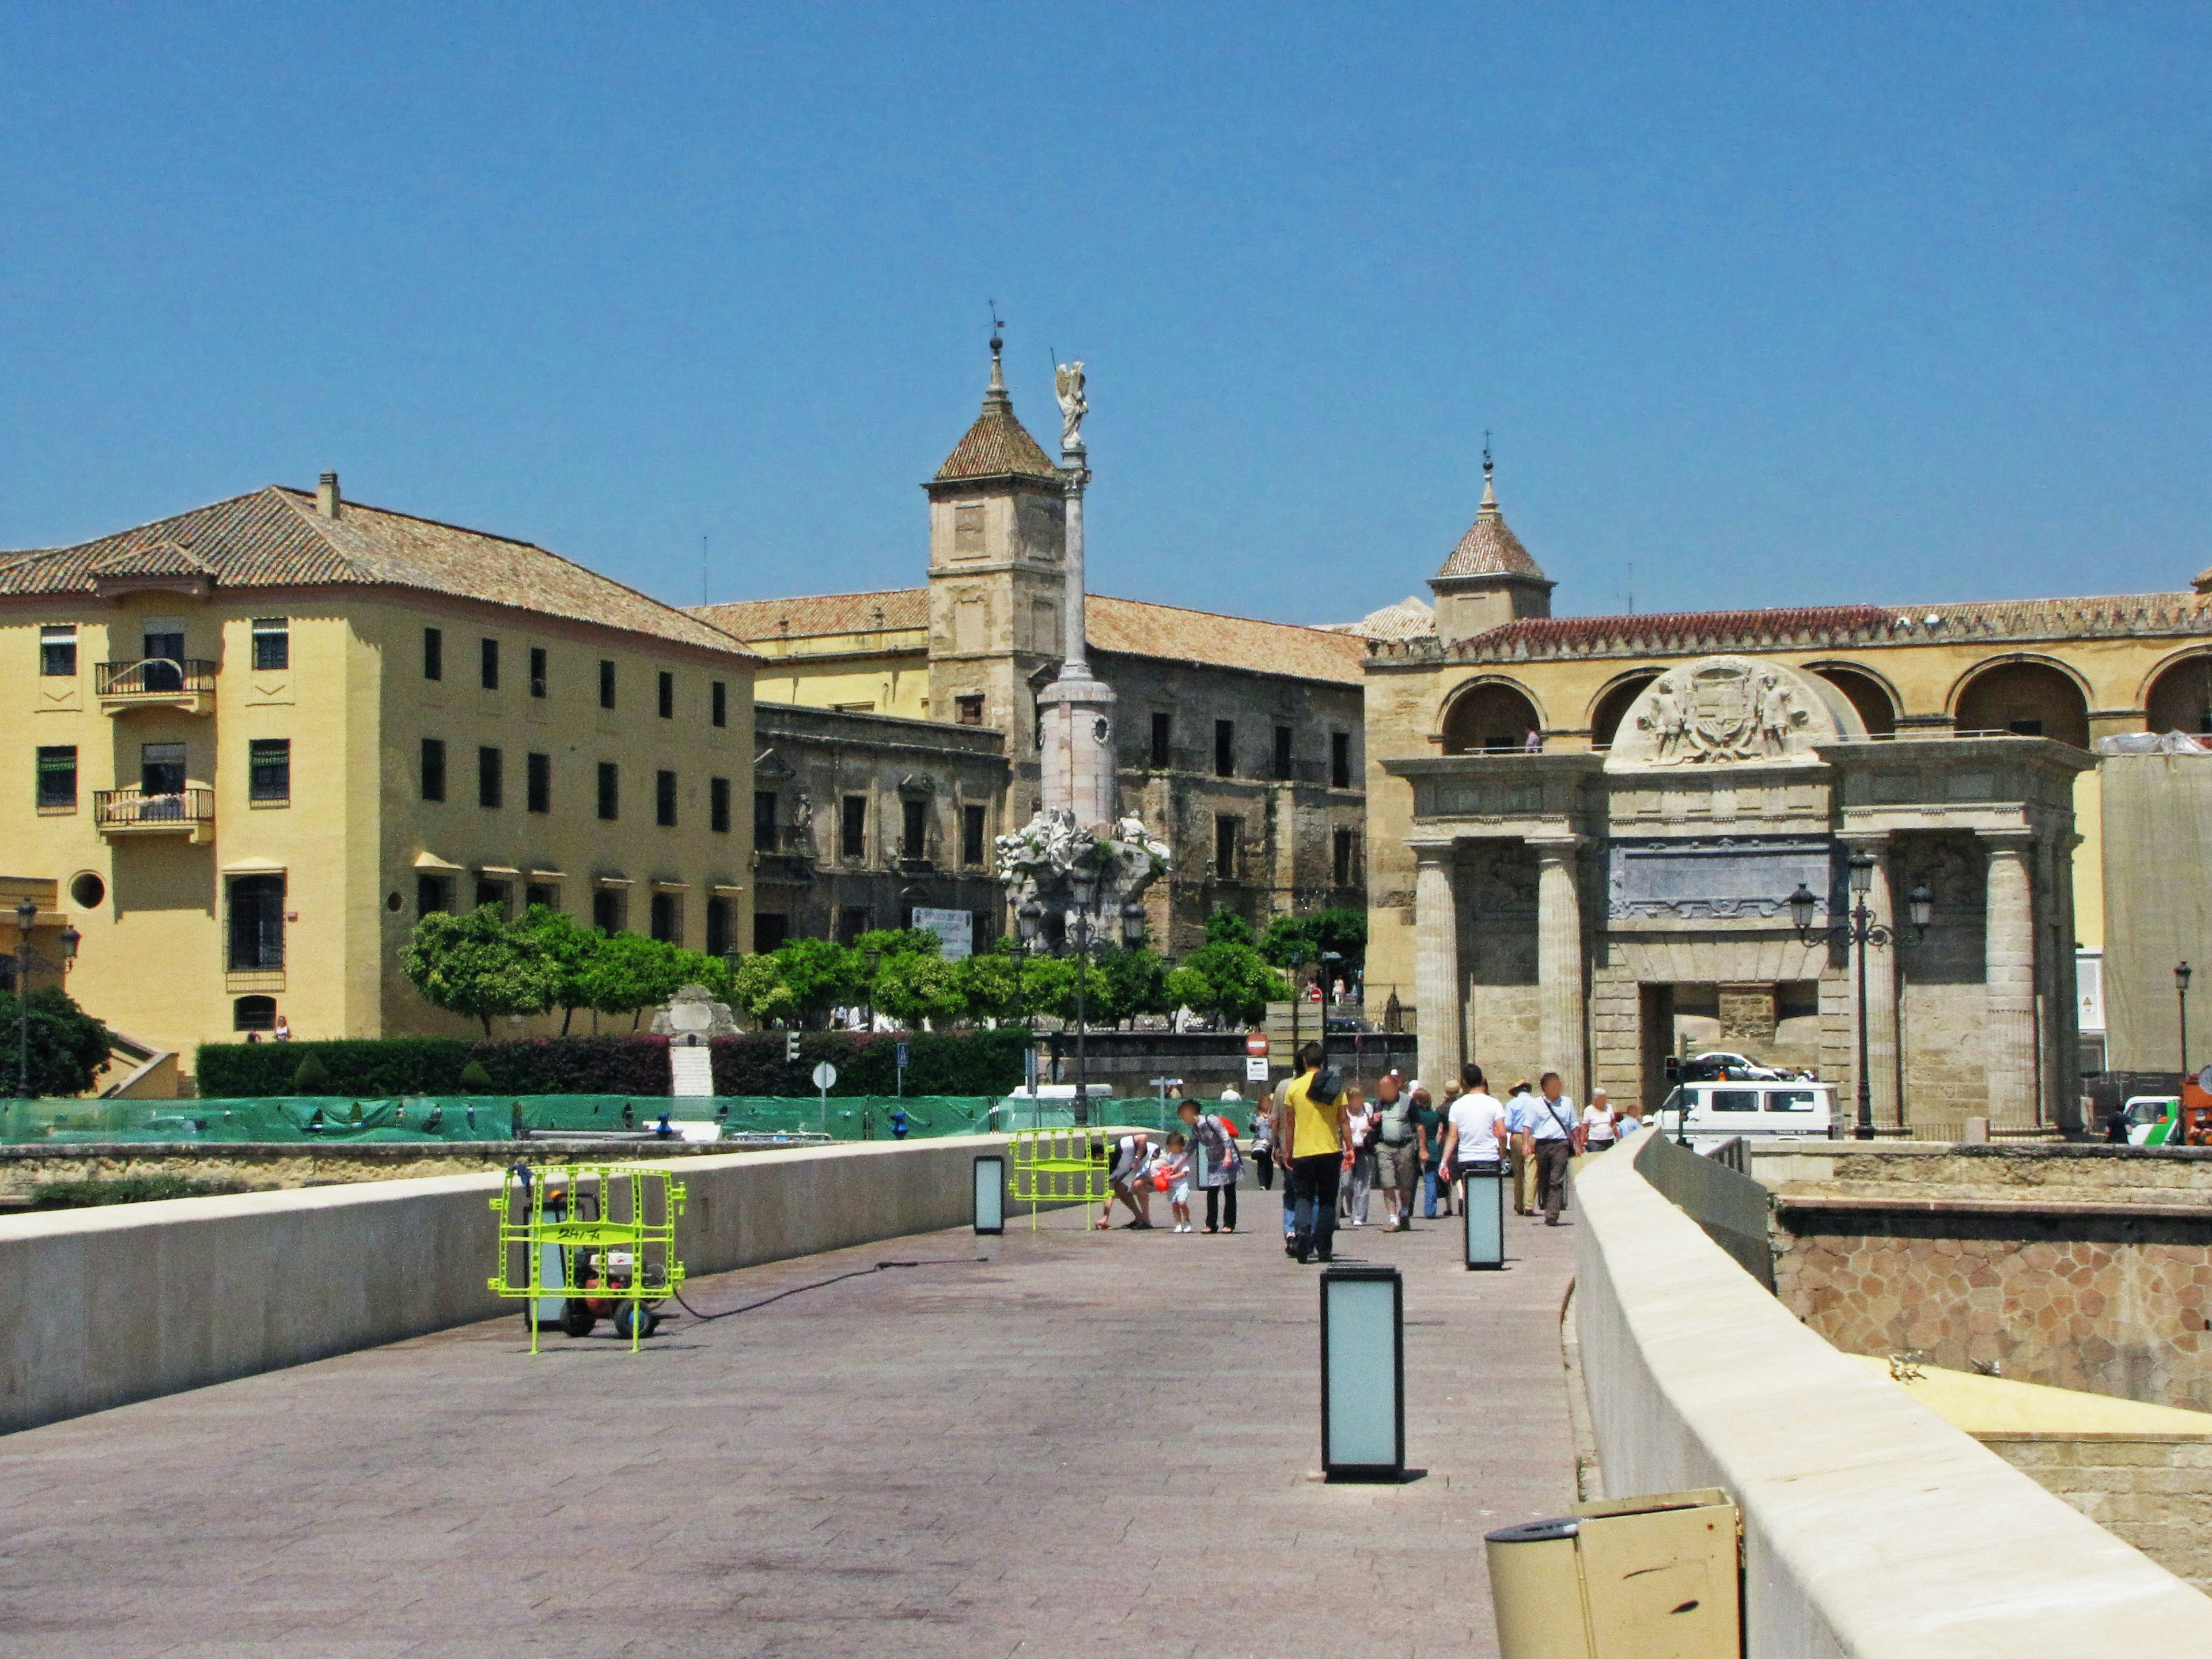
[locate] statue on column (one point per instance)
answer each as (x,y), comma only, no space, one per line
(1067,384)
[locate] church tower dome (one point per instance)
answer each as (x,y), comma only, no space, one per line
(1489,578)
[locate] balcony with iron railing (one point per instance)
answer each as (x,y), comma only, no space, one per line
(185,683)
(189,812)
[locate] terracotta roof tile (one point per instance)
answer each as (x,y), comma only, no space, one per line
(892,608)
(1490,548)
(1412,618)
(275,538)
(998,446)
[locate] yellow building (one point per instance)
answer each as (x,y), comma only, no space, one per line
(252,744)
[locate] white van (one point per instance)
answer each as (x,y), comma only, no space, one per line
(1721,1110)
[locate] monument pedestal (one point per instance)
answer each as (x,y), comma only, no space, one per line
(1078,774)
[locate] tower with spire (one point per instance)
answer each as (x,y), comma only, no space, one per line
(998,572)
(1489,578)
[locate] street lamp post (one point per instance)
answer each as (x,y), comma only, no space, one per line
(1862,930)
(2181,973)
(27,922)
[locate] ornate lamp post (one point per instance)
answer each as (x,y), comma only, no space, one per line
(2181,973)
(1861,930)
(26,921)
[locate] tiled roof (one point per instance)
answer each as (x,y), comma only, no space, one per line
(1130,628)
(275,538)
(998,446)
(1490,548)
(1412,618)
(1694,633)
(893,608)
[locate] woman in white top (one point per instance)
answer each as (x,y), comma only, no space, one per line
(1600,1123)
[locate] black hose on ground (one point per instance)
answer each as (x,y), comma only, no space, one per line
(820,1284)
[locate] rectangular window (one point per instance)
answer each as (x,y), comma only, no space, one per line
(494,893)
(489,780)
(718,806)
(770,929)
(433,893)
(664,799)
(610,909)
(1163,741)
(1732,1100)
(1226,829)
(1282,754)
(667,696)
(161,769)
(491,665)
(609,790)
(58,651)
(719,942)
(433,653)
(433,768)
(668,918)
(1340,760)
(257,922)
(852,828)
(972,834)
(606,684)
(1347,851)
(540,894)
(764,835)
(1225,749)
(537,670)
(269,770)
(968,710)
(718,701)
(272,644)
(58,778)
(853,921)
(913,828)
(968,530)
(538,774)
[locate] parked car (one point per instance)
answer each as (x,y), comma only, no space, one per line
(1719,1110)
(1721,1064)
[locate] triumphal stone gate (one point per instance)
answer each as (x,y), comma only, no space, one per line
(1565,901)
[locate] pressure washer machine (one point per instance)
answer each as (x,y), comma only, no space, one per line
(581,1243)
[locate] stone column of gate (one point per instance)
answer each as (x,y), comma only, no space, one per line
(2009,1009)
(1881,993)
(1562,997)
(1436,963)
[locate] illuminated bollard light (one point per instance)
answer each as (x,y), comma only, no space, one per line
(1482,1198)
(1363,1374)
(990,1194)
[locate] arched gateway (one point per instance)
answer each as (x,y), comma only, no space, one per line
(1592,912)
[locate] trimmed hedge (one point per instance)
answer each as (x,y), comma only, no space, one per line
(939,1063)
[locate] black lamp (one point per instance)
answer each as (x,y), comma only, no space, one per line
(1802,904)
(1920,907)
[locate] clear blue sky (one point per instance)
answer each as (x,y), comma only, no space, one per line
(1781,304)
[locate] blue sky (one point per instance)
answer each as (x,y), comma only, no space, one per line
(1775,305)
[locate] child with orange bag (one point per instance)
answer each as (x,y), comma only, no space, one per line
(1172,1176)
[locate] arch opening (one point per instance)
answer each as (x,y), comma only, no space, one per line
(2028,699)
(2180,698)
(1867,695)
(1613,707)
(1492,719)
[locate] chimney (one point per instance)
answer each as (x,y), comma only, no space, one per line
(326,497)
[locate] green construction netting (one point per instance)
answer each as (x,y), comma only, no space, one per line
(422,1118)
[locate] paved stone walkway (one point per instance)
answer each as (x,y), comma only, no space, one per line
(1088,1443)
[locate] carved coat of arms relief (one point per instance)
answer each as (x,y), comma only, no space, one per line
(1721,712)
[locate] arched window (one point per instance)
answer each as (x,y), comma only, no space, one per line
(2031,699)
(253,1014)
(2180,698)
(1613,707)
(1490,718)
(1868,694)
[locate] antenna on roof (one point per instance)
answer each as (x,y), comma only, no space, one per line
(1485,454)
(702,570)
(1632,587)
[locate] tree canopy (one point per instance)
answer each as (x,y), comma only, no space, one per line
(68,1046)
(479,965)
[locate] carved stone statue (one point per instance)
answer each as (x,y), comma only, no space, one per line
(1729,710)
(692,1012)
(1067,382)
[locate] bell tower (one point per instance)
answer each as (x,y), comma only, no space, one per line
(1489,579)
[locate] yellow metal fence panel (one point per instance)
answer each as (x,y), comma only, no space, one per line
(607,1230)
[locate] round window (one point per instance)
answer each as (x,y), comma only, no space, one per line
(86,892)
(392,901)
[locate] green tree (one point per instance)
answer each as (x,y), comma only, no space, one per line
(1342,931)
(1227,927)
(571,949)
(914,986)
(68,1046)
(757,986)
(311,1076)
(474,1080)
(1229,980)
(1135,981)
(632,973)
(479,965)
(899,942)
(821,974)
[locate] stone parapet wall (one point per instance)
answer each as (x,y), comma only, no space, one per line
(2154,1492)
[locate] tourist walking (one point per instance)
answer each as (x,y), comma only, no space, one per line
(1521,1115)
(1552,1142)
(1432,1148)
(1452,1089)
(1397,1152)
(1263,1140)
(1215,1164)
(1600,1123)
(1310,1136)
(1474,1138)
(1360,1165)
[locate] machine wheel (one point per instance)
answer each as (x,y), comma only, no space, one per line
(576,1319)
(630,1313)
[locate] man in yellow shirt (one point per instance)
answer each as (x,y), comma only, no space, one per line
(1310,1117)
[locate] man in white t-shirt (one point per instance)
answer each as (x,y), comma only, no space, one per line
(1474,1131)
(1553,1141)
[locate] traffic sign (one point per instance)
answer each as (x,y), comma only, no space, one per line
(825,1077)
(1255,1068)
(1255,1043)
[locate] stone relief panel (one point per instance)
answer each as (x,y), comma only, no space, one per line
(1724,879)
(1720,711)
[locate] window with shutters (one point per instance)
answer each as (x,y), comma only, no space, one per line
(257,922)
(272,643)
(269,771)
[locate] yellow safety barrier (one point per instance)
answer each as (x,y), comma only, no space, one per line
(581,1242)
(1060,1166)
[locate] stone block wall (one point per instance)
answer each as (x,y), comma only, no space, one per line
(2154,1493)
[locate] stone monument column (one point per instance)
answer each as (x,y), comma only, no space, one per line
(2008,1019)
(1435,963)
(1076,709)
(1561,995)
(1881,988)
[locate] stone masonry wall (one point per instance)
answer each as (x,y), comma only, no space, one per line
(2155,1493)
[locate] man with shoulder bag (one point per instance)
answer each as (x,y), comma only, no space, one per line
(1555,1138)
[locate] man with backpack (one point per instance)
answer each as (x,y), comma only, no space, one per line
(1398,1152)
(1311,1139)
(1554,1139)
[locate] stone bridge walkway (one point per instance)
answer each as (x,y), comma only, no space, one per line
(1085,1444)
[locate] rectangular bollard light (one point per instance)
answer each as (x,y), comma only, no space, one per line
(990,1194)
(1482,1198)
(1363,1374)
